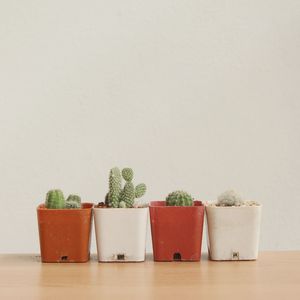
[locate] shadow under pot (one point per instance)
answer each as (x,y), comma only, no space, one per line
(176,231)
(65,234)
(233,232)
(121,234)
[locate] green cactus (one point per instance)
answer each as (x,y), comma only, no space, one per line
(140,190)
(128,194)
(107,200)
(115,187)
(75,198)
(179,198)
(230,198)
(73,201)
(118,197)
(72,204)
(127,174)
(55,200)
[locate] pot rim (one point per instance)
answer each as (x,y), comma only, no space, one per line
(119,208)
(84,206)
(152,204)
(234,207)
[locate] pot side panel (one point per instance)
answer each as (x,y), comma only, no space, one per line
(177,232)
(233,232)
(121,234)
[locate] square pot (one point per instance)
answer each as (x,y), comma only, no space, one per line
(176,231)
(233,232)
(121,234)
(65,234)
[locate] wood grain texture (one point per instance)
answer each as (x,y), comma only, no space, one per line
(275,275)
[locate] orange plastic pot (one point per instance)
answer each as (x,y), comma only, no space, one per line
(65,234)
(176,231)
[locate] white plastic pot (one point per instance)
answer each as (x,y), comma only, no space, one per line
(121,234)
(233,232)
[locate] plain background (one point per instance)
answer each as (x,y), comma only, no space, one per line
(194,95)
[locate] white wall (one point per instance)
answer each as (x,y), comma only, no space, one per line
(196,95)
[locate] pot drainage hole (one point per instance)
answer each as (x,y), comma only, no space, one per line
(177,256)
(64,258)
(235,256)
(120,256)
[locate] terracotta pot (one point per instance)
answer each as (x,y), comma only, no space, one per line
(121,234)
(233,232)
(65,233)
(176,231)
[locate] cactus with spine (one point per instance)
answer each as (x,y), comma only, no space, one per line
(229,198)
(119,197)
(73,201)
(115,187)
(55,200)
(179,198)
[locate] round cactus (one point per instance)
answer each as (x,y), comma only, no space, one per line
(140,190)
(179,198)
(55,200)
(123,197)
(230,198)
(115,186)
(128,194)
(73,201)
(127,174)
(74,198)
(72,204)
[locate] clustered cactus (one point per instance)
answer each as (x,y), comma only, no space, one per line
(230,198)
(123,197)
(179,198)
(55,200)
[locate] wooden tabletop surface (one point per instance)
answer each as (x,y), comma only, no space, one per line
(275,275)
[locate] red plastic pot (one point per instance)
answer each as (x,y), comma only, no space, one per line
(176,231)
(65,234)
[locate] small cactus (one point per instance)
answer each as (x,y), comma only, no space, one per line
(73,201)
(140,190)
(127,174)
(115,187)
(128,194)
(75,198)
(55,200)
(72,204)
(229,198)
(179,198)
(123,197)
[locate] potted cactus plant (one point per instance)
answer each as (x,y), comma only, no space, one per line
(64,228)
(120,222)
(177,227)
(233,227)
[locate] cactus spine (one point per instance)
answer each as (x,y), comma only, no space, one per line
(55,200)
(123,197)
(179,198)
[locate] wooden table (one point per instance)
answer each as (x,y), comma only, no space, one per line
(275,275)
